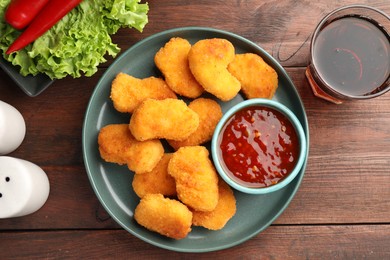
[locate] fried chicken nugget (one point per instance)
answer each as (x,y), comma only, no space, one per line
(156,181)
(117,145)
(209,112)
(165,216)
(258,79)
(208,61)
(168,118)
(127,92)
(172,60)
(225,210)
(196,178)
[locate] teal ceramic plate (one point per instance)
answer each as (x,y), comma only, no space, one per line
(31,85)
(112,183)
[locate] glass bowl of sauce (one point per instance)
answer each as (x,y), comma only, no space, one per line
(258,146)
(350,54)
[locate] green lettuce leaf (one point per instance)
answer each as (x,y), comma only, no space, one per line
(77,44)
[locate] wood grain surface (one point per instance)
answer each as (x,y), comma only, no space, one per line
(341,210)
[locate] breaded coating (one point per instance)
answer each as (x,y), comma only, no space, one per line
(172,61)
(225,210)
(208,60)
(165,216)
(156,181)
(168,118)
(258,79)
(127,92)
(196,178)
(117,145)
(209,112)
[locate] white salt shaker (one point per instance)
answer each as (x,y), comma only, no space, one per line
(12,128)
(24,187)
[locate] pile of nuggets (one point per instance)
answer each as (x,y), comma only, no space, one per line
(180,189)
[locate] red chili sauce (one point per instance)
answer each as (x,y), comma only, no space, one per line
(259,146)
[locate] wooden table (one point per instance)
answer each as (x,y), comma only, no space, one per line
(342,208)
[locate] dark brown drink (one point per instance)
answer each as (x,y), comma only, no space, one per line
(352,55)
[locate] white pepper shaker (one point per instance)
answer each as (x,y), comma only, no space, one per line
(24,187)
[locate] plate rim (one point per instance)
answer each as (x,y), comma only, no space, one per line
(175,31)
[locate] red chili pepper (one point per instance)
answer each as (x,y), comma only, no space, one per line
(51,13)
(21,12)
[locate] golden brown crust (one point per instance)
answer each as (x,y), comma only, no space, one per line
(195,176)
(225,210)
(168,118)
(208,60)
(172,61)
(117,145)
(127,92)
(156,181)
(165,216)
(258,79)
(209,112)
